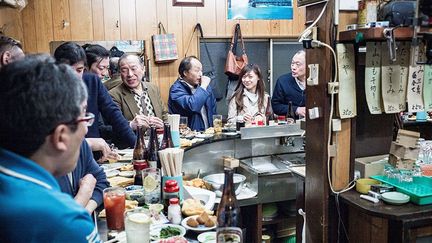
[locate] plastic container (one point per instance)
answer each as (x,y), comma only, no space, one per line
(174,212)
(419,190)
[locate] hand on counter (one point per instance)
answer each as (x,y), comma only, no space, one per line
(85,191)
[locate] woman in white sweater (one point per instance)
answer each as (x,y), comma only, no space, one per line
(249,99)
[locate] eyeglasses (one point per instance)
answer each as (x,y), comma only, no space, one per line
(88,118)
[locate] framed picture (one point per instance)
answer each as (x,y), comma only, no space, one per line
(194,3)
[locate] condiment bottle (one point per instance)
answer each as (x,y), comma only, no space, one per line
(239,123)
(269,113)
(174,212)
(228,213)
(281,120)
(170,190)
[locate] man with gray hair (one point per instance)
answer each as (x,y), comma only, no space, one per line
(44,121)
(10,50)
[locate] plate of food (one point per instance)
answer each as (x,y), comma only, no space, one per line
(166,231)
(199,223)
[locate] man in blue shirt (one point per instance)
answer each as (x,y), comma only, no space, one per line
(44,121)
(192,96)
(291,87)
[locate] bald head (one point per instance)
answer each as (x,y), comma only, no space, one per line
(131,70)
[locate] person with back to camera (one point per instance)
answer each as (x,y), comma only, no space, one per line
(249,99)
(40,138)
(191,95)
(291,87)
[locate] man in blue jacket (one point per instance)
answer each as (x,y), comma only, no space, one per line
(44,121)
(192,96)
(291,87)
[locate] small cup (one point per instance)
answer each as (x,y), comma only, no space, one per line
(137,225)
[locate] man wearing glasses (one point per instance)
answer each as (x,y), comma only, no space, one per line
(40,138)
(291,87)
(10,50)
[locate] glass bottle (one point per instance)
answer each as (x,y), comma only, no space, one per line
(228,213)
(269,113)
(139,159)
(153,147)
(290,117)
(174,211)
(167,140)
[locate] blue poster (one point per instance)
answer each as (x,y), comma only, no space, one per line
(260,9)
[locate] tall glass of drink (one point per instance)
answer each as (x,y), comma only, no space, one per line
(137,226)
(217,123)
(152,185)
(114,202)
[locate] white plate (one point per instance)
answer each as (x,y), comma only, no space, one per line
(395,198)
(155,230)
(200,227)
(112,173)
(230,133)
(129,174)
(207,237)
(204,135)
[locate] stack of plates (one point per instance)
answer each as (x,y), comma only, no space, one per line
(396,198)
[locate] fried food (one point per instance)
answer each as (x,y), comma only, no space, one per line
(192,222)
(203,218)
(197,182)
(128,167)
(209,130)
(193,207)
(209,223)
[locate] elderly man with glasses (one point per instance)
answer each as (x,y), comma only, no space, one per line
(10,50)
(291,87)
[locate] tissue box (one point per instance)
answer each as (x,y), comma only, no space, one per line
(372,165)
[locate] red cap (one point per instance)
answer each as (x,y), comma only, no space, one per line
(171,188)
(170,183)
(260,123)
(140,165)
(173,201)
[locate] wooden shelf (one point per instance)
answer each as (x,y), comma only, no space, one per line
(375,34)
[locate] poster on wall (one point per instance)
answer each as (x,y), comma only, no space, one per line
(260,9)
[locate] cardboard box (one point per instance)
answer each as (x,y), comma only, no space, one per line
(404,152)
(407,138)
(372,165)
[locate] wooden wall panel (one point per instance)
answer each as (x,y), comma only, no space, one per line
(44,25)
(81,20)
(138,19)
(128,20)
(61,19)
(98,20)
(29,28)
(111,19)
(11,23)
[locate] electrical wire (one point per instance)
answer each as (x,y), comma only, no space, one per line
(307,31)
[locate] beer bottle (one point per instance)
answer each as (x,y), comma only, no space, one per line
(228,213)
(269,113)
(167,140)
(153,147)
(139,158)
(290,117)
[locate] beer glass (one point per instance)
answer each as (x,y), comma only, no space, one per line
(217,123)
(114,203)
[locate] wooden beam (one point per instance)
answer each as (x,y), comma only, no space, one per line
(316,184)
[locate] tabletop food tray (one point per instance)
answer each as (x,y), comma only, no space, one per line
(419,190)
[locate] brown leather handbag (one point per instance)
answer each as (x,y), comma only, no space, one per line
(234,64)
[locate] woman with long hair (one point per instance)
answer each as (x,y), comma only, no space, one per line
(249,99)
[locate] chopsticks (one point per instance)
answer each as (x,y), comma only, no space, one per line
(171,161)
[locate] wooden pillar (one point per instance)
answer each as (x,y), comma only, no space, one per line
(316,184)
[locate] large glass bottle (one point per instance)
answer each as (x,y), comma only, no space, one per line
(269,113)
(228,213)
(139,159)
(290,117)
(167,140)
(153,147)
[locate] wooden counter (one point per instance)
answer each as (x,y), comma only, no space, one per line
(381,222)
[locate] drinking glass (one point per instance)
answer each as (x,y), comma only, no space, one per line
(137,225)
(114,203)
(217,123)
(183,126)
(152,185)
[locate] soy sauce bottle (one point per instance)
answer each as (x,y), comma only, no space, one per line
(139,159)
